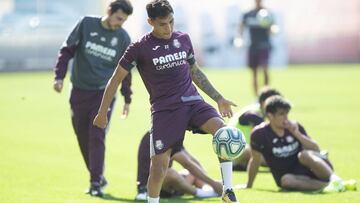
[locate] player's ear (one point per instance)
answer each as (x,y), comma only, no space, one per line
(108,12)
(150,21)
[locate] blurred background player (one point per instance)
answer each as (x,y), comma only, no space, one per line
(260,23)
(292,156)
(245,120)
(166,62)
(96,44)
(192,180)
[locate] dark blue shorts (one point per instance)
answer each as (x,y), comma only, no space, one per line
(168,127)
(258,57)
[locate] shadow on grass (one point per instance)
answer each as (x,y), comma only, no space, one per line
(109,197)
(290,191)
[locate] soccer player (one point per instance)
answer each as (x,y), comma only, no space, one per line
(246,120)
(292,156)
(166,63)
(259,50)
(176,183)
(96,44)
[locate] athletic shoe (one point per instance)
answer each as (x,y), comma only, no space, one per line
(103,183)
(141,194)
(350,184)
(229,196)
(95,190)
(324,154)
(334,186)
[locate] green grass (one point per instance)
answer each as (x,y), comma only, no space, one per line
(40,160)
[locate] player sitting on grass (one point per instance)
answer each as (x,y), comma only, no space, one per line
(192,180)
(246,119)
(292,156)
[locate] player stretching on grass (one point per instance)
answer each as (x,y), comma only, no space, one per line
(193,180)
(166,63)
(292,156)
(96,44)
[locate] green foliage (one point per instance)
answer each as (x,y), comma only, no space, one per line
(41,162)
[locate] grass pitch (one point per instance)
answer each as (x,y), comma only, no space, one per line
(41,162)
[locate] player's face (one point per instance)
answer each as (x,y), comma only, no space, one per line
(117,19)
(279,118)
(162,26)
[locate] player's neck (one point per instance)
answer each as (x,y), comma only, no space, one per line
(105,23)
(279,131)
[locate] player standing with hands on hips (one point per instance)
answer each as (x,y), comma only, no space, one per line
(96,44)
(166,63)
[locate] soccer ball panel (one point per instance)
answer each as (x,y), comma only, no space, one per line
(228,143)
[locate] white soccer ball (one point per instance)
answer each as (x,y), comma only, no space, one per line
(228,143)
(264,18)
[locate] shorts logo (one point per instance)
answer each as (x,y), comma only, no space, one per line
(176,43)
(159,145)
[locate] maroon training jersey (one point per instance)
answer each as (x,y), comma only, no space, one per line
(280,153)
(164,66)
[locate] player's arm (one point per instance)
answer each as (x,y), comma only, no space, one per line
(253,167)
(305,141)
(110,90)
(187,162)
(126,92)
(66,53)
(204,84)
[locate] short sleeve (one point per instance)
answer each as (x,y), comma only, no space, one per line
(245,16)
(130,57)
(256,142)
(302,129)
(250,118)
(191,55)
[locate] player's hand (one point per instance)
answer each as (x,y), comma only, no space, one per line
(100,120)
(125,111)
(292,126)
(238,42)
(225,107)
(58,85)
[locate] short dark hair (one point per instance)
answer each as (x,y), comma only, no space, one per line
(124,5)
(267,92)
(158,8)
(274,103)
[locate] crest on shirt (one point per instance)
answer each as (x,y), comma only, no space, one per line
(275,140)
(159,145)
(114,41)
(176,43)
(289,139)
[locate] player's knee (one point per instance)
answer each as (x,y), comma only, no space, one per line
(158,170)
(287,181)
(304,157)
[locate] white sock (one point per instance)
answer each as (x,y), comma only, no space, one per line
(226,172)
(205,193)
(334,177)
(153,200)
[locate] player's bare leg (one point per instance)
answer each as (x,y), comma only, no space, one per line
(316,164)
(300,182)
(266,75)
(211,126)
(158,169)
(254,79)
(174,181)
